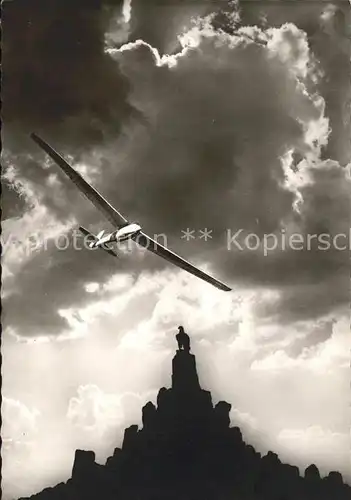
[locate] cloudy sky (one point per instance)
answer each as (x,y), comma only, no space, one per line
(186,115)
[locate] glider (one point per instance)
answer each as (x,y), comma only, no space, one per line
(124,229)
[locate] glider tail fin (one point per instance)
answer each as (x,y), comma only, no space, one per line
(91,239)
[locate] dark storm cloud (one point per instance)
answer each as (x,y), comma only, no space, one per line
(326,210)
(315,280)
(218,123)
(210,154)
(56,77)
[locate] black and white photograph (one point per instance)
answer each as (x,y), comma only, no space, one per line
(176,200)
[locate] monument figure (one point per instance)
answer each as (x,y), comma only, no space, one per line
(183,340)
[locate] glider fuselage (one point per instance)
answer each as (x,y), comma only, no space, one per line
(122,234)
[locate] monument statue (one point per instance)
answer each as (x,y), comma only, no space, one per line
(183,340)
